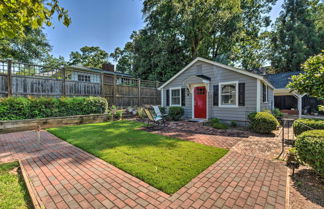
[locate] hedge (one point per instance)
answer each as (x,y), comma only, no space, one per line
(18,108)
(310,149)
(262,122)
(176,113)
(302,125)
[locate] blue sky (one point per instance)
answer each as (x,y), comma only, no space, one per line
(104,23)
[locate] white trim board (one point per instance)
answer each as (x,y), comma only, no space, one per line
(219,65)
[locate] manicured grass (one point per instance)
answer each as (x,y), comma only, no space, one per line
(13,191)
(163,162)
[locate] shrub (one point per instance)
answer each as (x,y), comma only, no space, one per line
(176,113)
(220,126)
(277,113)
(15,108)
(263,122)
(310,149)
(302,125)
(217,124)
(233,124)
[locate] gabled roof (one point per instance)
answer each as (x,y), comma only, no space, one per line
(98,70)
(218,65)
(281,80)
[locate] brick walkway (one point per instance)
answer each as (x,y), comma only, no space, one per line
(64,176)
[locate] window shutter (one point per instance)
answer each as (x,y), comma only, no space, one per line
(264,93)
(215,96)
(241,94)
(183,97)
(167,97)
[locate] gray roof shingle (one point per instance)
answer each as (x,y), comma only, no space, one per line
(280,80)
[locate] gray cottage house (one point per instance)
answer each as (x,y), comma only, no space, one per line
(208,89)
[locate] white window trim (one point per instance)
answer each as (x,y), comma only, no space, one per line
(175,105)
(220,94)
(266,94)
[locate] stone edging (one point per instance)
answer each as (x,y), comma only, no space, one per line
(32,193)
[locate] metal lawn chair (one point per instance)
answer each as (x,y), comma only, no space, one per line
(155,121)
(158,112)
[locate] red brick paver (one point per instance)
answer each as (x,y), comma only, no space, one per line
(64,176)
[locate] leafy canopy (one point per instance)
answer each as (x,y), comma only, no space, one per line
(33,47)
(90,56)
(297,35)
(16,15)
(312,81)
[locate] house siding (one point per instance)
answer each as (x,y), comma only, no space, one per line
(267,105)
(217,74)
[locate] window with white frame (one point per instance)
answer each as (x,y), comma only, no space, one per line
(228,94)
(84,78)
(175,97)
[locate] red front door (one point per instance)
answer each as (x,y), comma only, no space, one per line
(200,102)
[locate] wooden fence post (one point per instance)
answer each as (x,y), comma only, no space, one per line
(63,82)
(115,91)
(9,90)
(157,93)
(102,85)
(139,91)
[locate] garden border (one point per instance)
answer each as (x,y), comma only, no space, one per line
(36,202)
(7,126)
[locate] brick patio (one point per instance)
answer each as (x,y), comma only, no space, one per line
(63,176)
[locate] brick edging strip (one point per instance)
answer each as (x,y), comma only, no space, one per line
(287,189)
(36,202)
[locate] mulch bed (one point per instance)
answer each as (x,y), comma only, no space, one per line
(306,189)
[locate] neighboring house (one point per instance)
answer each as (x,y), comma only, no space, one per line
(93,75)
(288,101)
(207,89)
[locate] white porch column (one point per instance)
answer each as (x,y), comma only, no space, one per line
(258,95)
(300,103)
(162,105)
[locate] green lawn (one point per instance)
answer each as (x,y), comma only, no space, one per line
(13,191)
(163,162)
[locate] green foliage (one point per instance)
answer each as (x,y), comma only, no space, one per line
(163,110)
(263,122)
(124,58)
(90,56)
(310,149)
(16,16)
(217,124)
(140,112)
(312,81)
(33,47)
(13,191)
(233,124)
(17,108)
(178,31)
(165,163)
(302,125)
(176,113)
(277,113)
(220,126)
(296,36)
(321,108)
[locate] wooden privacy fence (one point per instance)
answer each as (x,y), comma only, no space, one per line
(18,79)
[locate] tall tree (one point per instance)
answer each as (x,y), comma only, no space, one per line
(295,37)
(311,81)
(249,52)
(90,56)
(31,48)
(124,58)
(17,15)
(177,31)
